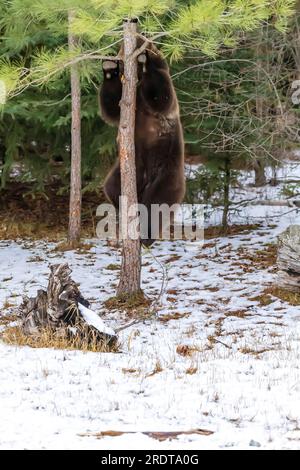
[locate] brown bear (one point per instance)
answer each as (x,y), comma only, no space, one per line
(159,141)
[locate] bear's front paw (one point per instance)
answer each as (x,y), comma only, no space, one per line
(110,68)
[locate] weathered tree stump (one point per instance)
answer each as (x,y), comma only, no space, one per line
(63,309)
(288,259)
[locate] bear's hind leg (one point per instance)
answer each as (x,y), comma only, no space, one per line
(112,185)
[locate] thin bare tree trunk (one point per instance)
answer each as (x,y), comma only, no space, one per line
(130,278)
(259,165)
(75,184)
(260,174)
(226,201)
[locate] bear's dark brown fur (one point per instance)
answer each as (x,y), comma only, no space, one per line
(158,132)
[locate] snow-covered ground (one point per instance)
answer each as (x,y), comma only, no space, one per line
(241,380)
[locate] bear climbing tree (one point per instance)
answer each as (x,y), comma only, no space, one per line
(137,94)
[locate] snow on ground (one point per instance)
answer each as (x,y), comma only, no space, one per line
(242,380)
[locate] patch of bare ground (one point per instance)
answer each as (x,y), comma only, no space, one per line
(246,268)
(218,231)
(160,436)
(131,370)
(7,304)
(113,267)
(209,245)
(80,247)
(191,370)
(292,298)
(238,314)
(172,291)
(254,352)
(7,319)
(224,300)
(172,316)
(172,300)
(231,278)
(136,305)
(264,258)
(264,299)
(173,258)
(43,215)
(186,350)
(212,289)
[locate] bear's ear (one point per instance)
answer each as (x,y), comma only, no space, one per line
(110,68)
(109,65)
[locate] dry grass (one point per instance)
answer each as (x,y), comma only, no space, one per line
(42,215)
(191,370)
(7,304)
(238,314)
(80,247)
(133,304)
(130,370)
(49,338)
(173,258)
(7,319)
(160,436)
(264,299)
(172,316)
(254,352)
(157,369)
(113,267)
(292,298)
(185,350)
(171,300)
(12,230)
(267,296)
(218,231)
(264,258)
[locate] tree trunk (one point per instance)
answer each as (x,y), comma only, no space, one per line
(274,180)
(259,166)
(260,176)
(226,202)
(130,278)
(75,184)
(288,260)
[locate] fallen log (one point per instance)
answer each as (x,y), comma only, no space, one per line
(62,308)
(288,259)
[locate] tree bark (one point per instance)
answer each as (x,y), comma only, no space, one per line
(226,201)
(75,183)
(260,175)
(130,278)
(259,165)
